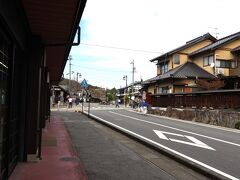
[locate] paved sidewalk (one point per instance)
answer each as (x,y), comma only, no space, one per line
(59,159)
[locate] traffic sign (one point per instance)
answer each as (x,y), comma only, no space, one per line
(84,83)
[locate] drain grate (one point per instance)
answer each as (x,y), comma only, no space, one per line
(69,159)
(49,141)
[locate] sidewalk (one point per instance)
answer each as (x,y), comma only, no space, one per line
(59,159)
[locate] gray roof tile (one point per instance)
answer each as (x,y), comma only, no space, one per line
(217,44)
(184,71)
(188,44)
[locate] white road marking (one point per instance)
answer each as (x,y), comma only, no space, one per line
(136,119)
(161,135)
(168,149)
(104,108)
(195,142)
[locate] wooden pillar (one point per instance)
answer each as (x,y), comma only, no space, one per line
(35,61)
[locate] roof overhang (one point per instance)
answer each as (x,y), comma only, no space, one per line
(56,23)
(187,45)
(236,50)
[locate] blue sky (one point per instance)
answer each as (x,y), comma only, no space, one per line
(150,26)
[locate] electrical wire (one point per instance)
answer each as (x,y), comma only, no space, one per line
(119,48)
(97,69)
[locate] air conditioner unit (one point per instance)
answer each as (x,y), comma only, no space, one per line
(220,70)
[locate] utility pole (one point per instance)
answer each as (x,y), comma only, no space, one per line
(126,90)
(78,86)
(133,70)
(70,72)
(125,78)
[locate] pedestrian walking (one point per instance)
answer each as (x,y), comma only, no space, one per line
(77,101)
(117,103)
(58,102)
(70,100)
(144,107)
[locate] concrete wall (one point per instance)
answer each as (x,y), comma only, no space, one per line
(218,117)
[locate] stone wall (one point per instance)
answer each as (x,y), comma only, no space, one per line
(218,117)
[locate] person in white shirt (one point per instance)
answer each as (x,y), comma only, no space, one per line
(70,100)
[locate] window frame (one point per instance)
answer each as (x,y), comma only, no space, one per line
(228,64)
(207,59)
(178,59)
(164,68)
(163,90)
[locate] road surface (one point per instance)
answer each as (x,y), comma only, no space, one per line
(210,148)
(108,154)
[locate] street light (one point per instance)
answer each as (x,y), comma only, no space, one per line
(125,78)
(79,75)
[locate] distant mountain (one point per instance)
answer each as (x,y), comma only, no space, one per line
(97,93)
(75,86)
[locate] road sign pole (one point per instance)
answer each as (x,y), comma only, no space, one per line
(82,104)
(84,85)
(89,107)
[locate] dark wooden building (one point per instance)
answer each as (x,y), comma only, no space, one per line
(35,41)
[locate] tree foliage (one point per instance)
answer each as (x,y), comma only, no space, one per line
(111,94)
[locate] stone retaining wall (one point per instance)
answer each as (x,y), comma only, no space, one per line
(219,117)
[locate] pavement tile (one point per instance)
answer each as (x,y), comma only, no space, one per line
(59,158)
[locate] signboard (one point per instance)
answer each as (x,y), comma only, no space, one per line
(84,83)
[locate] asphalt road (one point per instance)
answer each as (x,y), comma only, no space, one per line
(213,149)
(108,154)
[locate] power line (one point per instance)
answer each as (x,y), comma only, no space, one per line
(97,69)
(119,48)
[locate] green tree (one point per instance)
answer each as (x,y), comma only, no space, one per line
(111,94)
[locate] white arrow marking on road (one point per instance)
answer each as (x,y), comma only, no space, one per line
(194,141)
